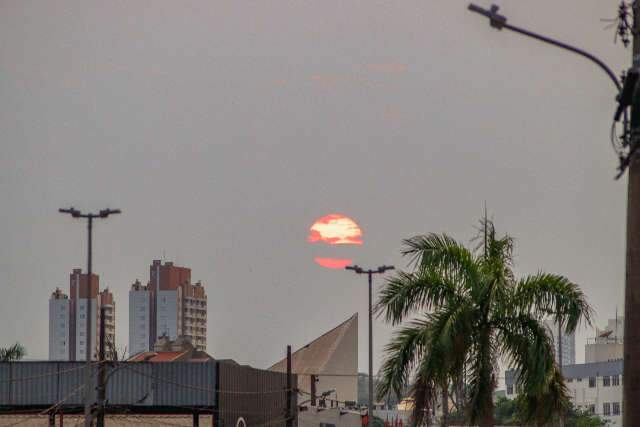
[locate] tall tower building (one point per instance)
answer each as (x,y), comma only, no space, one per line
(170,305)
(106,301)
(68,317)
(139,318)
(59,308)
(568,343)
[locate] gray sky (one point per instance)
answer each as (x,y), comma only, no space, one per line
(223,129)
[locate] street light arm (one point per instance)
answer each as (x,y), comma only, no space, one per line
(499,21)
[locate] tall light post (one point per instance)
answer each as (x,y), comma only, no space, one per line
(370,273)
(75,213)
(628,96)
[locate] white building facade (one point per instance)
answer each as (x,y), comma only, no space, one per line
(139,318)
(59,306)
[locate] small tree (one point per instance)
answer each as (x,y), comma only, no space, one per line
(13,353)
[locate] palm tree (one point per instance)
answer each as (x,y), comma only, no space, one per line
(472,313)
(13,353)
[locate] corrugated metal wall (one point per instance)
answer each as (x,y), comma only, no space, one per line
(259,397)
(230,391)
(128,383)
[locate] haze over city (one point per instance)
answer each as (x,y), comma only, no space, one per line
(223,130)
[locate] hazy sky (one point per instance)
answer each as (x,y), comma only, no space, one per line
(223,129)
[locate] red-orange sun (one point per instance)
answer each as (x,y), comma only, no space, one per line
(335,229)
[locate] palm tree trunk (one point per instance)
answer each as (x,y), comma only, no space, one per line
(445,406)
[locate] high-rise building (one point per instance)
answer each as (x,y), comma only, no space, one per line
(168,306)
(59,343)
(109,305)
(68,318)
(568,343)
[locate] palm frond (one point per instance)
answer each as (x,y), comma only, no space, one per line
(423,392)
(408,292)
(550,294)
(403,352)
(440,252)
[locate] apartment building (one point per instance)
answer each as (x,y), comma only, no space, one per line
(69,316)
(168,306)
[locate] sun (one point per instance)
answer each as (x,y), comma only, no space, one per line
(335,229)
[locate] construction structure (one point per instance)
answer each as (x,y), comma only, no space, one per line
(68,318)
(169,305)
(327,367)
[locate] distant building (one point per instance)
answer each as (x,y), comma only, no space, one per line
(169,305)
(109,306)
(594,387)
(68,318)
(59,340)
(332,359)
(607,344)
(568,343)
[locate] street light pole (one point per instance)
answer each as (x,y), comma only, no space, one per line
(370,273)
(88,418)
(499,22)
(631,360)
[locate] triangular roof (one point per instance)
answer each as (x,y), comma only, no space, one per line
(313,357)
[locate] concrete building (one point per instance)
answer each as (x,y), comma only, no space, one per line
(139,318)
(169,305)
(68,318)
(568,343)
(607,344)
(595,387)
(59,308)
(332,359)
(107,303)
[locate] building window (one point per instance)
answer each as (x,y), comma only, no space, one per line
(606,409)
(615,380)
(606,381)
(591,409)
(592,382)
(578,380)
(82,316)
(82,308)
(616,408)
(81,342)
(569,380)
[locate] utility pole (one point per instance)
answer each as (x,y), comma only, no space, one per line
(88,401)
(289,420)
(370,273)
(631,365)
(560,347)
(102,371)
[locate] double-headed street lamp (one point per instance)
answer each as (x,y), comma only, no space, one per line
(370,273)
(88,419)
